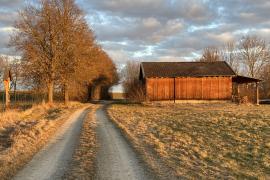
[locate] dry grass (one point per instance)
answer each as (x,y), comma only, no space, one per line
(216,141)
(83,161)
(23,133)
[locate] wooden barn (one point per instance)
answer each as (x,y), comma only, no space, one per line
(190,80)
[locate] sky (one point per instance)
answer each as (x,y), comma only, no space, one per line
(159,30)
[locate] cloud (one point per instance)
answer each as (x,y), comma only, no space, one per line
(148,30)
(7,18)
(190,10)
(160,29)
(11,3)
(245,12)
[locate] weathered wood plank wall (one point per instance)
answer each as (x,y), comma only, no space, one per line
(190,88)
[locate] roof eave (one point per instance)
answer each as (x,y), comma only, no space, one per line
(190,76)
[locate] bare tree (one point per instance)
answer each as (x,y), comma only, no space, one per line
(15,66)
(4,63)
(131,71)
(132,84)
(1,63)
(266,81)
(75,40)
(254,54)
(210,54)
(1,66)
(37,39)
(6,78)
(229,53)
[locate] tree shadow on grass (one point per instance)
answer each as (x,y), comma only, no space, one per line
(5,140)
(53,114)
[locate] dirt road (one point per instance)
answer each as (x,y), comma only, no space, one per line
(116,159)
(52,160)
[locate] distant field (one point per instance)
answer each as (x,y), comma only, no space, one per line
(26,99)
(202,140)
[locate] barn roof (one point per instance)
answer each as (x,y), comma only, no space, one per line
(185,69)
(245,80)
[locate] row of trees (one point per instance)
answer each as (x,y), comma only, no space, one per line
(250,56)
(59,51)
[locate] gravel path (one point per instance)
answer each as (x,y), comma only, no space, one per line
(52,161)
(116,159)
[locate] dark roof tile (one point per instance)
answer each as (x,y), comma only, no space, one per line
(186,69)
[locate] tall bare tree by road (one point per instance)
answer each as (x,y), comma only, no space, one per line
(75,42)
(16,70)
(36,38)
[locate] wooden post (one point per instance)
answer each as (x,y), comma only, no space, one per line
(238,90)
(174,89)
(202,88)
(6,84)
(257,94)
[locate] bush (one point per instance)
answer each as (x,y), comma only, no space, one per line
(135,91)
(133,87)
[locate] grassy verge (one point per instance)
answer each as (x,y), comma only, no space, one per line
(23,133)
(83,161)
(201,140)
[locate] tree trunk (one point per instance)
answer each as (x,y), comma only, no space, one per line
(15,91)
(6,83)
(66,94)
(96,92)
(89,92)
(50,92)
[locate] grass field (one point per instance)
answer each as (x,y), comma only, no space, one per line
(202,140)
(24,132)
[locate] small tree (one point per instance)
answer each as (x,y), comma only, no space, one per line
(131,83)
(210,54)
(6,78)
(229,54)
(266,83)
(16,74)
(2,67)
